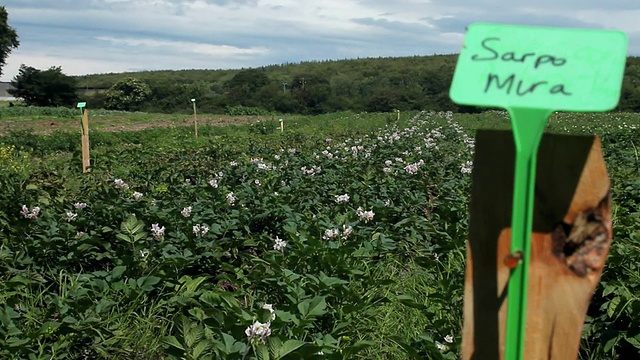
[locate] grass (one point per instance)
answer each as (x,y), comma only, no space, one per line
(40,122)
(6,103)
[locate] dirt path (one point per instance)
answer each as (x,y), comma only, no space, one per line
(123,123)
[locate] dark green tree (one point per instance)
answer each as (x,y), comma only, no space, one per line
(127,94)
(44,87)
(244,86)
(8,38)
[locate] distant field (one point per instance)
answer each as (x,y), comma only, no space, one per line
(5,103)
(49,120)
(128,122)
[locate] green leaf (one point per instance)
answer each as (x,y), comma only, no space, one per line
(139,236)
(357,347)
(172,341)
(117,271)
(633,341)
(262,352)
(192,335)
(70,320)
(146,282)
(610,344)
(19,279)
(330,281)
(230,300)
(409,301)
(13,330)
(123,237)
(198,313)
(228,343)
(274,346)
(16,342)
(284,315)
(328,340)
(137,227)
(288,347)
(318,306)
(612,306)
(211,298)
(200,348)
(608,289)
(7,314)
(314,307)
(190,285)
(49,326)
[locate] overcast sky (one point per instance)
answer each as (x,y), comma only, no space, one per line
(98,36)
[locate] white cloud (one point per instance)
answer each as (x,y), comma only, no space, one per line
(626,20)
(185,47)
(119,35)
(71,65)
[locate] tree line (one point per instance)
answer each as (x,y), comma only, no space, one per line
(372,84)
(310,88)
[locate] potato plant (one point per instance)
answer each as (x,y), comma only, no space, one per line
(336,239)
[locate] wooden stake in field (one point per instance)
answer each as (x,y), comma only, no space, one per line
(532,266)
(85,136)
(195,117)
(571,234)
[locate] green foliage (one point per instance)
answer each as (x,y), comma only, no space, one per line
(317,87)
(8,38)
(208,288)
(178,254)
(127,94)
(240,110)
(38,112)
(49,87)
(50,113)
(309,88)
(241,89)
(264,127)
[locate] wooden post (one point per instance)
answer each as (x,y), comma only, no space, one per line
(195,117)
(85,140)
(281,125)
(572,230)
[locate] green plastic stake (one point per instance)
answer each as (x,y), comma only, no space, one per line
(532,71)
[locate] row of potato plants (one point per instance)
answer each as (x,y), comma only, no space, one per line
(267,244)
(270,252)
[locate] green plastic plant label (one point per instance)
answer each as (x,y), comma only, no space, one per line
(532,71)
(511,66)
